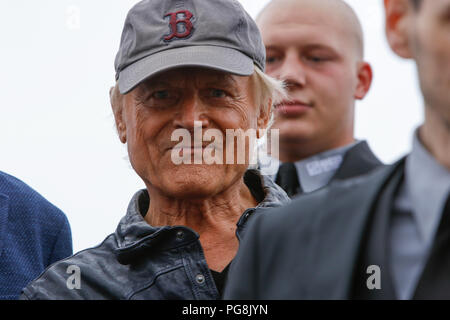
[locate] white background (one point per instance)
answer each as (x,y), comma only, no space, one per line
(56,127)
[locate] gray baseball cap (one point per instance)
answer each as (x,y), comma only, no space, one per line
(164,34)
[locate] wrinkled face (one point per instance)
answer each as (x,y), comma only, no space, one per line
(431,50)
(175,100)
(315,54)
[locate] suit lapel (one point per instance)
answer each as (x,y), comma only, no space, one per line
(4,210)
(339,234)
(376,242)
(357,161)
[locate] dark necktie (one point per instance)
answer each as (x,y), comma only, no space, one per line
(287,179)
(435,281)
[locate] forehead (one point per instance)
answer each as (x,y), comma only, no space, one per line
(294,23)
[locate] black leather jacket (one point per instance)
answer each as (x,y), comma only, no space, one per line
(139,261)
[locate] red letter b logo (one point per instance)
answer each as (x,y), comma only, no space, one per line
(174,22)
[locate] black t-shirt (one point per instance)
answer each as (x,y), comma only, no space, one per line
(220,278)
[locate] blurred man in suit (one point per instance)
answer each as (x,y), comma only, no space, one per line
(316,47)
(383,236)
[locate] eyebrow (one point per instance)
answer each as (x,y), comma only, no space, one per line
(322,47)
(309,45)
(223,79)
(152,83)
(312,46)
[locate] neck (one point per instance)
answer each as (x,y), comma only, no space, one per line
(198,213)
(213,218)
(435,136)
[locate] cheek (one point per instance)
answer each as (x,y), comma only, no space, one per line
(434,70)
(242,116)
(335,87)
(236,146)
(143,131)
(136,131)
(436,60)
(433,61)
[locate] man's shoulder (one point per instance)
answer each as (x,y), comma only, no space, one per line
(299,241)
(12,185)
(76,276)
(26,202)
(21,192)
(339,195)
(358,160)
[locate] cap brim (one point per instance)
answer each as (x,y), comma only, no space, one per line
(211,57)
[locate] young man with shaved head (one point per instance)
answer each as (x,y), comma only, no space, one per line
(382,236)
(316,47)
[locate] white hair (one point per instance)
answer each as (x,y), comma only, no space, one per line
(268,92)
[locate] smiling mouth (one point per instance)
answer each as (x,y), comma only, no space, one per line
(293,108)
(188,149)
(192,148)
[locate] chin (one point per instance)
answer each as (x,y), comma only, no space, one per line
(296,132)
(192,181)
(190,190)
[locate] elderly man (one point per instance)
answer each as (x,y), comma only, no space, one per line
(33,235)
(182,66)
(386,235)
(316,47)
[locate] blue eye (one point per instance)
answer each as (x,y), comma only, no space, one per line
(271,60)
(217,93)
(162,94)
(317,59)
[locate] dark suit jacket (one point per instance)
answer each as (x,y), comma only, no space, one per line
(357,161)
(309,249)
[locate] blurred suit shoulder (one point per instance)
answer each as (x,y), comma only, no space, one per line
(290,250)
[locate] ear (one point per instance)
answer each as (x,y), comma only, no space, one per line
(365,76)
(264,117)
(117,101)
(398,14)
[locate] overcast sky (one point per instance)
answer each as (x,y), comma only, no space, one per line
(57,131)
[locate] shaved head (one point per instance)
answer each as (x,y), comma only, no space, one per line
(316,48)
(335,12)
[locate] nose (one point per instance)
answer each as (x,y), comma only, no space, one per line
(191,112)
(292,71)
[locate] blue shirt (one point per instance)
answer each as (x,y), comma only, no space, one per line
(33,235)
(418,208)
